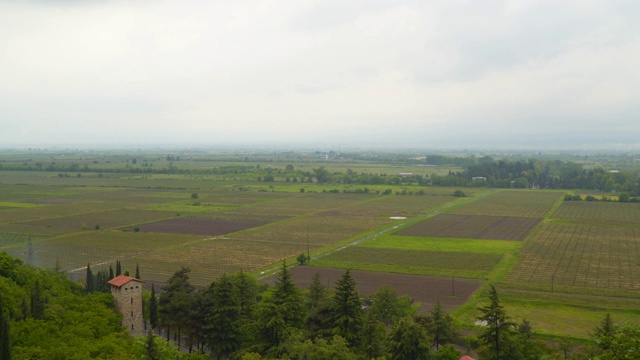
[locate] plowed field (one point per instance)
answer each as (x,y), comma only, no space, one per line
(474,227)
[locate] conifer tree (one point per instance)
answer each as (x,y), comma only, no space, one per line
(90,286)
(37,302)
(137,271)
(605,333)
(317,295)
(247,294)
(441,326)
(409,341)
(5,340)
(280,313)
(222,330)
(111,272)
(118,268)
(153,308)
(151,348)
(347,316)
(497,333)
(24,308)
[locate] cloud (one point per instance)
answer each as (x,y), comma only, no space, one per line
(366,72)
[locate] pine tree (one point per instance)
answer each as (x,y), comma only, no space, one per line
(497,333)
(409,341)
(247,294)
(605,333)
(372,337)
(346,310)
(221,319)
(280,313)
(153,308)
(317,295)
(137,271)
(90,286)
(441,326)
(175,301)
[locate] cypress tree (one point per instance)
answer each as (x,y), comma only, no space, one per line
(5,340)
(24,308)
(90,281)
(153,308)
(118,268)
(37,302)
(151,347)
(137,271)
(111,272)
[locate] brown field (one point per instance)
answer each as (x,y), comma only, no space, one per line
(106,219)
(473,227)
(428,290)
(199,226)
(320,230)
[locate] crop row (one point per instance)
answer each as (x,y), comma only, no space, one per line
(603,256)
(520,203)
(473,227)
(599,211)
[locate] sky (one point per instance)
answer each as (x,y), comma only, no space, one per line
(349,73)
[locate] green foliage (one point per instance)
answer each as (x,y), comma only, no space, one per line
(302,259)
(152,347)
(153,308)
(175,300)
(373,337)
(386,305)
(346,317)
(222,331)
(90,282)
(409,341)
(321,349)
(439,326)
(622,343)
(459,193)
(280,314)
(447,352)
(497,333)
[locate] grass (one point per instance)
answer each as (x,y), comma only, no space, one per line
(17,204)
(437,263)
(444,244)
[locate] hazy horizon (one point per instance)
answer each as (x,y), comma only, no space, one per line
(360,74)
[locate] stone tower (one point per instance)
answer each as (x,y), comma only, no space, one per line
(127,292)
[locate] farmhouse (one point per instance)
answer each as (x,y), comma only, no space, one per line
(127,293)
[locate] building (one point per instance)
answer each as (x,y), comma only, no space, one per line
(127,293)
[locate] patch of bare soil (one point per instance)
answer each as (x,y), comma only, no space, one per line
(428,290)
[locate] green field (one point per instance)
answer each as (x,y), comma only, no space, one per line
(561,264)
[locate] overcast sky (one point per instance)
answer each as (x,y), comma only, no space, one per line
(413,73)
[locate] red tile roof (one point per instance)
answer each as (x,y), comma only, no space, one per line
(120,280)
(467,357)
